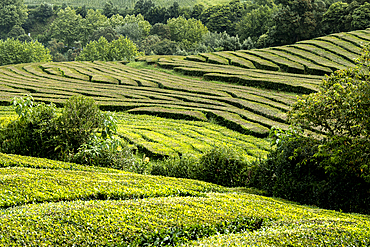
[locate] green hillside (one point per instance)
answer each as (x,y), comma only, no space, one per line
(173,106)
(48,203)
(125,3)
(245,91)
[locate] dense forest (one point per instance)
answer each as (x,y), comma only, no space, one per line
(152,29)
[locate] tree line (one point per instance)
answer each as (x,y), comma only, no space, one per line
(179,30)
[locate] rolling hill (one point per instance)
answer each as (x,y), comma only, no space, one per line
(168,106)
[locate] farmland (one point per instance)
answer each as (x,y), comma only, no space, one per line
(55,203)
(172,106)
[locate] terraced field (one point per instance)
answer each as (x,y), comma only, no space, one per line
(318,56)
(158,137)
(119,87)
(52,203)
(224,98)
(245,91)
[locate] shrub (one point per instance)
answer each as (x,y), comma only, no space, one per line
(183,167)
(296,171)
(31,132)
(82,133)
(15,51)
(221,165)
(224,166)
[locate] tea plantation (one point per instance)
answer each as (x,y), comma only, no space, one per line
(171,107)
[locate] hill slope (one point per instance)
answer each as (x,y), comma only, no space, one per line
(56,203)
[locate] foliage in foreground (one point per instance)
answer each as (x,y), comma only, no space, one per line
(333,172)
(174,220)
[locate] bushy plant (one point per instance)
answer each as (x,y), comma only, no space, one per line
(180,167)
(15,51)
(31,133)
(224,166)
(81,133)
(295,171)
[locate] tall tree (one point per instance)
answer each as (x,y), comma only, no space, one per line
(297,20)
(224,18)
(12,12)
(182,29)
(65,27)
(109,9)
(255,23)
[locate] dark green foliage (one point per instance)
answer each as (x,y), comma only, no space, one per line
(109,9)
(221,165)
(297,171)
(164,47)
(12,12)
(31,133)
(81,133)
(80,118)
(184,167)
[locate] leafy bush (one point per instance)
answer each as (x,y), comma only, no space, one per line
(81,133)
(296,171)
(30,134)
(224,166)
(183,167)
(15,51)
(221,165)
(117,50)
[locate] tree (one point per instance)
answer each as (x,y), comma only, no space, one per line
(117,22)
(224,18)
(109,9)
(361,17)
(107,32)
(121,49)
(255,23)
(143,7)
(87,26)
(12,12)
(65,27)
(335,18)
(162,30)
(297,20)
(341,110)
(197,11)
(14,51)
(182,29)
